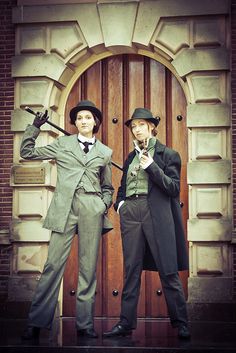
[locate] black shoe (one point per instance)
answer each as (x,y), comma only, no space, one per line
(88,332)
(183,332)
(118,330)
(31,333)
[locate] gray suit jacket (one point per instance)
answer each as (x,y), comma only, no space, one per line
(71,165)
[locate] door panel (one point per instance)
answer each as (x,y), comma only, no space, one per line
(113,261)
(118,85)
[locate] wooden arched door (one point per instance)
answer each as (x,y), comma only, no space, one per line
(118,85)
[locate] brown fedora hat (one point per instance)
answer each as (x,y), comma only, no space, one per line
(85,105)
(145,114)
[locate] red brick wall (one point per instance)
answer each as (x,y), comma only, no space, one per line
(7,46)
(233,87)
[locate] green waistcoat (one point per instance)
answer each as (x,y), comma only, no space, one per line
(137,178)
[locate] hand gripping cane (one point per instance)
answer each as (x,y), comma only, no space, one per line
(29,110)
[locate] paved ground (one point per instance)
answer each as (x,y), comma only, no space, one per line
(150,336)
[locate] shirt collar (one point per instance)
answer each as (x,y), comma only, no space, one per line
(85,139)
(151,143)
(136,146)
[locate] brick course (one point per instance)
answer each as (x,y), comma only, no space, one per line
(233,93)
(7,50)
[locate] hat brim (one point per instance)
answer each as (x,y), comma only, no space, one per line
(93,110)
(155,121)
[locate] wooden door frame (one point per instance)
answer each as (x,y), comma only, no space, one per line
(85,64)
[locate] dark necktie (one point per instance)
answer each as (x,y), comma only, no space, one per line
(86,144)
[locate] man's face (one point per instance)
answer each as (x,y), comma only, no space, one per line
(141,129)
(85,123)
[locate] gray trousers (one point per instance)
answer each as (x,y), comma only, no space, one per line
(87,212)
(137,232)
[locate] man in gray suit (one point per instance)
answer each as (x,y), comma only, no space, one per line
(81,199)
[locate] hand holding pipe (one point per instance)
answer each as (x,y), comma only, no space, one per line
(29,110)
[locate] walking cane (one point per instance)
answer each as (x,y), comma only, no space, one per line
(29,110)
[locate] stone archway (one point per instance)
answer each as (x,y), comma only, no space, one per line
(56,43)
(118,84)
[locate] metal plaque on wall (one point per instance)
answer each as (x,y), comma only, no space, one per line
(29,175)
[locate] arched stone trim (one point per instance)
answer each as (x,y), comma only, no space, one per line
(89,61)
(68,42)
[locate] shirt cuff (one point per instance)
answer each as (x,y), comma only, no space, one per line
(120,204)
(147,164)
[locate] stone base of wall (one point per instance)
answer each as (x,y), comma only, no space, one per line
(212,312)
(14,310)
(18,310)
(197,311)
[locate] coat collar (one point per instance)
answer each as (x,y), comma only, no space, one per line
(158,158)
(96,151)
(159,148)
(83,138)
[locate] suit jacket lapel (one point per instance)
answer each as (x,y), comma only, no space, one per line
(158,155)
(76,149)
(95,152)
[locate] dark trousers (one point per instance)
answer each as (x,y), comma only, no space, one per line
(137,232)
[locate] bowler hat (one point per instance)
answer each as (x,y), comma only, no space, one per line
(85,105)
(145,114)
